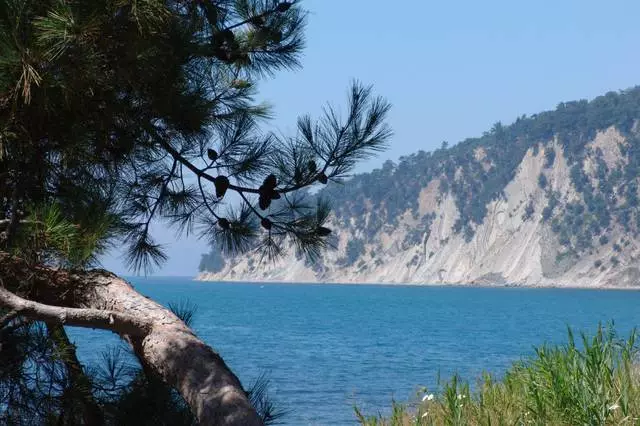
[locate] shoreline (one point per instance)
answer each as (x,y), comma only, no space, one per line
(415,284)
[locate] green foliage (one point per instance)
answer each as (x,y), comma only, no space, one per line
(542,181)
(264,405)
(395,187)
(145,400)
(579,178)
(592,382)
(549,157)
(416,235)
(212,261)
(576,227)
(168,133)
(355,249)
(185,310)
(46,235)
(552,203)
(529,210)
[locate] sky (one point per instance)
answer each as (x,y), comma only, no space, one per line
(449,68)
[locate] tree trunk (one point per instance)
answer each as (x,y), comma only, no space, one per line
(100,299)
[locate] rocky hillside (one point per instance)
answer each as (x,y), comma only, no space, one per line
(551,199)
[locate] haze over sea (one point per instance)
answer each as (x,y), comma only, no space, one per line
(328,347)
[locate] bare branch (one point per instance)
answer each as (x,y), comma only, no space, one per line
(79,317)
(5,222)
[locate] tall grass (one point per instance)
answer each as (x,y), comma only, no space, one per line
(593,382)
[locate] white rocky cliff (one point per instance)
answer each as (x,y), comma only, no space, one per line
(513,245)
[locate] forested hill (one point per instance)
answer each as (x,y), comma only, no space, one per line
(549,199)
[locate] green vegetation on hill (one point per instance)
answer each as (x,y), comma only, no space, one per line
(477,170)
(212,261)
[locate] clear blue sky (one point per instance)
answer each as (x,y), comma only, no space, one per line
(450,69)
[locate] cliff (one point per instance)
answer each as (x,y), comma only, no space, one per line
(551,200)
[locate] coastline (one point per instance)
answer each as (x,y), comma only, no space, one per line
(556,286)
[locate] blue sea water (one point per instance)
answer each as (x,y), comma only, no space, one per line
(328,347)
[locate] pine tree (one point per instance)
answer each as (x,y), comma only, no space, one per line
(118,113)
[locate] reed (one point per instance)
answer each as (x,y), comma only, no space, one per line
(591,380)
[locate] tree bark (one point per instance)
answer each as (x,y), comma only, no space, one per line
(162,342)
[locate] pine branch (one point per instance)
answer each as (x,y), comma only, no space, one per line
(161,195)
(338,143)
(6,319)
(92,412)
(261,16)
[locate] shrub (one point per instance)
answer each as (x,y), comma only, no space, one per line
(355,248)
(542,181)
(549,157)
(528,211)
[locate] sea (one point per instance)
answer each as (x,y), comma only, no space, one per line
(326,348)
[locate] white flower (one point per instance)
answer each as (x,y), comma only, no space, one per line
(428,397)
(426,413)
(614,407)
(461,396)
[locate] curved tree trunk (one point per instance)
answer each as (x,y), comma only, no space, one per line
(162,342)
